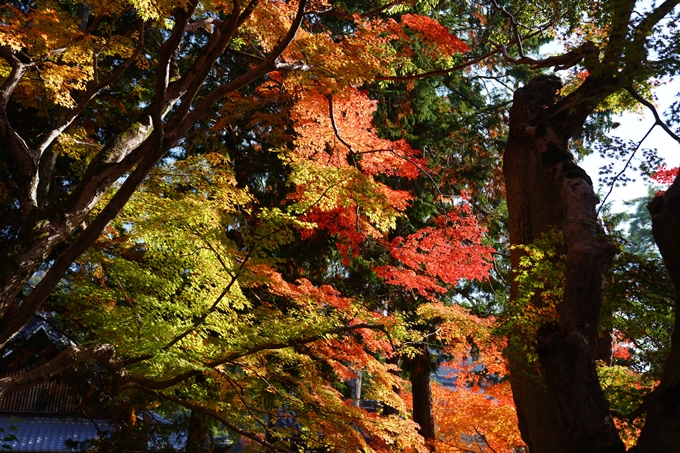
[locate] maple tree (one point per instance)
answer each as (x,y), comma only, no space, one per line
(44,215)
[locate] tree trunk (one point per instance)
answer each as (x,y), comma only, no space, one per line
(355,387)
(546,188)
(533,209)
(419,375)
(661,432)
(197,434)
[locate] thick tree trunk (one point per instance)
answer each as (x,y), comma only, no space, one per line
(533,209)
(661,432)
(545,188)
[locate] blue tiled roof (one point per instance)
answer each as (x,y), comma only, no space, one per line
(48,434)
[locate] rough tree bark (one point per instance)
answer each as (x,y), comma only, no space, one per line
(558,192)
(533,209)
(545,188)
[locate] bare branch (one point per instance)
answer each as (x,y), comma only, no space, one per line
(657,122)
(620,22)
(246,55)
(657,119)
(23,155)
(193,80)
(559,62)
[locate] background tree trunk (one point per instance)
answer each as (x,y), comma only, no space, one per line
(197,434)
(419,375)
(355,387)
(661,432)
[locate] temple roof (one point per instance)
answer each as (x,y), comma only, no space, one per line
(49,434)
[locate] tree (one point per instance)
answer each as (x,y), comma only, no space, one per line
(117,89)
(90,107)
(546,188)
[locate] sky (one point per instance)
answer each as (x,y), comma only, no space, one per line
(634,127)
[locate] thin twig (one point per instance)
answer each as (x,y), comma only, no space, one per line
(657,122)
(625,167)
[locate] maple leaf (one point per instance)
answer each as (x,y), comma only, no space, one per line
(439,255)
(435,34)
(665,176)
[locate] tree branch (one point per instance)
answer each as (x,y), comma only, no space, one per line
(64,360)
(559,62)
(214,414)
(658,121)
(513,22)
(625,167)
(185,120)
(72,114)
(335,126)
(230,357)
(439,72)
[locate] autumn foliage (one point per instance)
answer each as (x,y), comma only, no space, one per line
(204,190)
